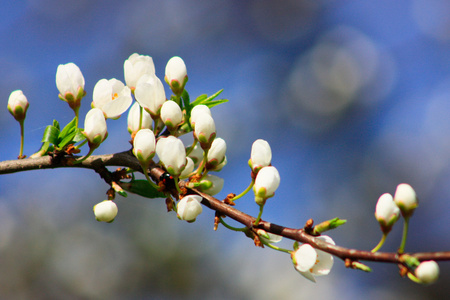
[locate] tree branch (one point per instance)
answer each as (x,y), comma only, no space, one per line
(126,159)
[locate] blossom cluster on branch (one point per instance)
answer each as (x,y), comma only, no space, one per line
(181,174)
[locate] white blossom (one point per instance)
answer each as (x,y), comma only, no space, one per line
(172,154)
(427,272)
(176,74)
(150,94)
(135,67)
(189,208)
(105,211)
(311,262)
(211,184)
(261,155)
(112,97)
(406,199)
(266,183)
(18,105)
(95,127)
(205,130)
(197,111)
(171,114)
(144,145)
(216,153)
(386,212)
(134,115)
(70,82)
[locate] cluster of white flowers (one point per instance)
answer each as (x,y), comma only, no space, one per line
(156,123)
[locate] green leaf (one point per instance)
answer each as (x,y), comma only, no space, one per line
(143,188)
(51,133)
(79,136)
(68,129)
(66,140)
(217,102)
(56,124)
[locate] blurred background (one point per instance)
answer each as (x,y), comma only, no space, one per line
(353,97)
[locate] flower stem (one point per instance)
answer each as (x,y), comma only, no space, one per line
(261,207)
(22,138)
(275,247)
(91,150)
(380,243)
(231,227)
(245,191)
(405,235)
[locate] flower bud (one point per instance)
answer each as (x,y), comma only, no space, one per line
(406,199)
(171,114)
(216,154)
(197,111)
(205,130)
(172,154)
(105,211)
(261,155)
(311,262)
(70,84)
(144,145)
(150,94)
(95,127)
(386,212)
(427,272)
(211,184)
(135,67)
(176,74)
(189,208)
(112,97)
(18,105)
(266,182)
(134,115)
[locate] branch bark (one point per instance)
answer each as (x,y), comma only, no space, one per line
(126,159)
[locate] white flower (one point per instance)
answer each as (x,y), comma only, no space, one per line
(205,130)
(406,199)
(18,105)
(105,211)
(189,208)
(112,97)
(70,83)
(150,94)
(427,272)
(211,184)
(134,115)
(95,127)
(135,66)
(261,155)
(171,114)
(196,154)
(386,212)
(266,183)
(197,111)
(311,262)
(176,74)
(216,154)
(188,169)
(268,237)
(172,154)
(144,145)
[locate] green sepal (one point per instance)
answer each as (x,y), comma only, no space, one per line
(142,188)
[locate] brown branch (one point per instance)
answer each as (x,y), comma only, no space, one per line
(126,159)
